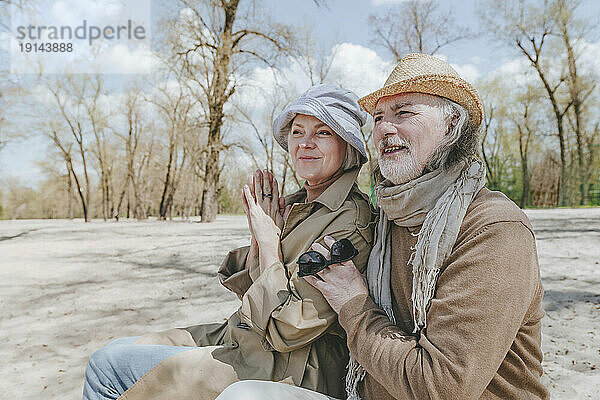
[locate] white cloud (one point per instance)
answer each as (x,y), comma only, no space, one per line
(354,67)
(69,12)
(123,60)
(516,71)
(588,55)
(468,72)
(359,69)
(519,72)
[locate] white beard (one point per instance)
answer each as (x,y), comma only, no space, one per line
(398,168)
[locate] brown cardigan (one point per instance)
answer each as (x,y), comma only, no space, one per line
(483,333)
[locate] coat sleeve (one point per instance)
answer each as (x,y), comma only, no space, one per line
(290,313)
(235,272)
(481,300)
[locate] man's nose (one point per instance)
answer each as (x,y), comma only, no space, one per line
(385,128)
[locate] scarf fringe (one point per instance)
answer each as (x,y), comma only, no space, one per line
(355,374)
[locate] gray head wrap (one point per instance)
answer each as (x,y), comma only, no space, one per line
(336,107)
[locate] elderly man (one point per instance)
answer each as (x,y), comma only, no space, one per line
(452,307)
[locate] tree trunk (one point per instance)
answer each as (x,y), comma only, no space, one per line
(162,209)
(575,91)
(84,204)
(104,194)
(69,192)
(87,186)
(525,202)
(210,204)
(220,95)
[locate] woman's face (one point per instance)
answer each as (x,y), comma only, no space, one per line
(317,152)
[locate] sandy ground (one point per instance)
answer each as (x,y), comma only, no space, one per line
(67,288)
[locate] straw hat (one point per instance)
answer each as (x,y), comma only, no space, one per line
(422,73)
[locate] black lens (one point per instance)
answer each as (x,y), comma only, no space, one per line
(342,250)
(310,263)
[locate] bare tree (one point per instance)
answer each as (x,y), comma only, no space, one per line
(524,121)
(528,27)
(214,42)
(62,92)
(494,131)
(176,108)
(415,26)
(545,176)
(314,55)
(65,151)
(270,155)
(88,92)
(132,139)
(570,30)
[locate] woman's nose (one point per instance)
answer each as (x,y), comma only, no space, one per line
(307,143)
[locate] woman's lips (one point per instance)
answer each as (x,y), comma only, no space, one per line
(308,158)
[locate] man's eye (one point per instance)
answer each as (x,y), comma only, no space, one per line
(378,118)
(404,113)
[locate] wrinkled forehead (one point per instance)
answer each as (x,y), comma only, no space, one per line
(407,99)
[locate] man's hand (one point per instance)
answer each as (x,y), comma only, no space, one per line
(339,283)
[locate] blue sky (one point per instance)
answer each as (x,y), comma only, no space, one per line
(346,21)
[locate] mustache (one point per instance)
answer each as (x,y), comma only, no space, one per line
(393,141)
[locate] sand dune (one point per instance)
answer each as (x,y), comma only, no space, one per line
(67,288)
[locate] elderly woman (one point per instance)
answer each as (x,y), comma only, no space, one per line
(284,329)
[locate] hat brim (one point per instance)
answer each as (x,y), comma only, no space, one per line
(452,88)
(283,124)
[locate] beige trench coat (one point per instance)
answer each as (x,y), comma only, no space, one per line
(284,330)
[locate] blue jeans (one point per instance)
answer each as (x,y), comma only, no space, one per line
(115,368)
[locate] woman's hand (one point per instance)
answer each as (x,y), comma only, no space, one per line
(265,189)
(263,229)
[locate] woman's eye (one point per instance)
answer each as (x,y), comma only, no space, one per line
(404,113)
(378,118)
(296,133)
(325,133)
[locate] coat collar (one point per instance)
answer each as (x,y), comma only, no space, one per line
(334,196)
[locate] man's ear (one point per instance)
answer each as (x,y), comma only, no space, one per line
(453,122)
